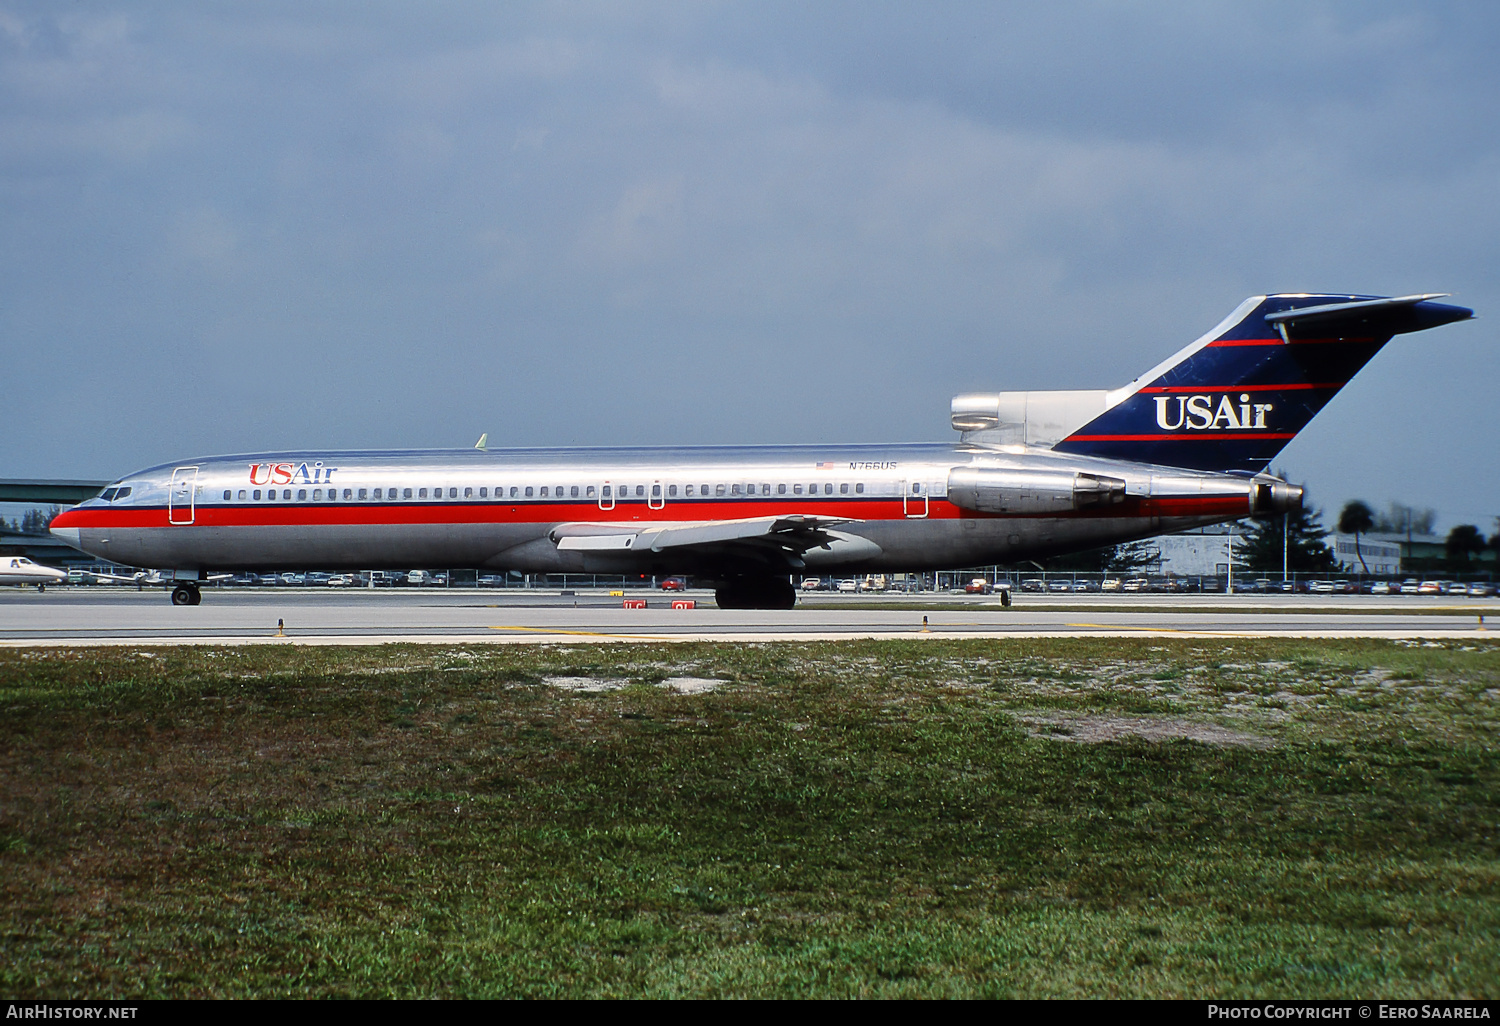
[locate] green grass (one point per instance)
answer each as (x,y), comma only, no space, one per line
(1120,817)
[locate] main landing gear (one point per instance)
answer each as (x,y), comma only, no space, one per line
(186,594)
(756,593)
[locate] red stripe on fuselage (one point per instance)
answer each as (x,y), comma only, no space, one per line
(290,514)
(350,515)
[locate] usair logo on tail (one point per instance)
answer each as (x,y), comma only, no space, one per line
(1198,413)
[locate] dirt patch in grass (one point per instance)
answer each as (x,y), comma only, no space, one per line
(593,684)
(1097,729)
(691,685)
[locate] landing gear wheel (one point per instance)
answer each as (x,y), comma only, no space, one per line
(41,588)
(186,594)
(756,593)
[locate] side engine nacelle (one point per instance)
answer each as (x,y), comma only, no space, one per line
(997,490)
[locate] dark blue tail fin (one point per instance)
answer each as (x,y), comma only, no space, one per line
(1233,399)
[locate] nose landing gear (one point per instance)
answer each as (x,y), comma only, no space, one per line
(186,594)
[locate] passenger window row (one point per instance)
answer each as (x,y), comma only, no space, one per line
(619,492)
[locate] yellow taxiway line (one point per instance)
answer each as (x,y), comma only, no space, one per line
(586,634)
(1166,630)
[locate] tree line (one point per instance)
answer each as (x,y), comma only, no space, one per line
(1298,541)
(1308,553)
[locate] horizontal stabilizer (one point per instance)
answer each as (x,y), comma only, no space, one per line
(1387,317)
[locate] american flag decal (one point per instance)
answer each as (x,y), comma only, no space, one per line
(825,466)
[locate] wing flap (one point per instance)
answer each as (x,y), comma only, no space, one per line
(596,542)
(796,532)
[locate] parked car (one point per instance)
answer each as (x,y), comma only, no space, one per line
(1479,589)
(1110,584)
(848,585)
(1322,587)
(1455,588)
(978,586)
(1430,588)
(1410,586)
(1384,588)
(491,580)
(674,584)
(1136,584)
(341,581)
(811,583)
(1033,584)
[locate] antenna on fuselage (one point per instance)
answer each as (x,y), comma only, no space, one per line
(484,441)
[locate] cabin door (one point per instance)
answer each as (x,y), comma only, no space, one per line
(914,501)
(182,496)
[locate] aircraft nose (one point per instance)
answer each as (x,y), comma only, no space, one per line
(61,530)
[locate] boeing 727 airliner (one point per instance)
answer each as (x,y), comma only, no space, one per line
(1033,474)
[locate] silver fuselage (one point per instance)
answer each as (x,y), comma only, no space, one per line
(505,509)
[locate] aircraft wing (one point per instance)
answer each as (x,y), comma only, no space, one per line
(152,577)
(136,578)
(787,536)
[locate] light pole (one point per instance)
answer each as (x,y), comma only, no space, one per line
(1286,519)
(1229,570)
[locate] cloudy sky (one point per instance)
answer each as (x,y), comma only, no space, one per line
(233,227)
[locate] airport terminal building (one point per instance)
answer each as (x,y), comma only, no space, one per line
(1206,552)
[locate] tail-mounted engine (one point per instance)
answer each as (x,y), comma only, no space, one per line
(998,490)
(1271,496)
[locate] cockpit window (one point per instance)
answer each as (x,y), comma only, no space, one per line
(123,493)
(108,495)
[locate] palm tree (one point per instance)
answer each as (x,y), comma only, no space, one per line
(1355,519)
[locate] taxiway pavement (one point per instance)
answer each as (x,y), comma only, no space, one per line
(111,616)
